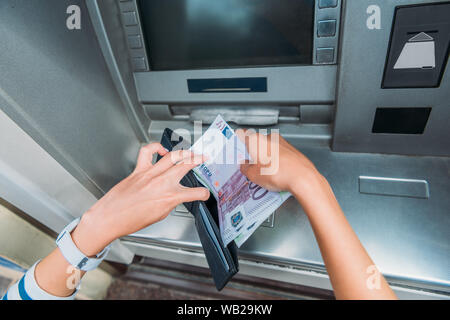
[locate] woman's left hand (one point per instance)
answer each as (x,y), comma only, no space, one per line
(147,196)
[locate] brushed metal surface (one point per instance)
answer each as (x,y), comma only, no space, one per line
(359,93)
(394,187)
(106,23)
(408,238)
(56,86)
(291,275)
(303,84)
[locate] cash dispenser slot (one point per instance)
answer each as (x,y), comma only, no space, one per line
(244,115)
(227,85)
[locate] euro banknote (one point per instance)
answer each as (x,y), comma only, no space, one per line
(242,205)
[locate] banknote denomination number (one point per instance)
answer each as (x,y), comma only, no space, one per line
(257,192)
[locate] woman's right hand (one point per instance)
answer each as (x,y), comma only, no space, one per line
(276,165)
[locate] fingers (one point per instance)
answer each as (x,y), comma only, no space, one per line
(250,139)
(183,167)
(247,136)
(169,160)
(249,170)
(146,153)
(258,146)
(193,194)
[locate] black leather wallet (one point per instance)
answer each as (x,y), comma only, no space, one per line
(222,260)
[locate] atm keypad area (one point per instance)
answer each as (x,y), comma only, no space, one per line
(385,89)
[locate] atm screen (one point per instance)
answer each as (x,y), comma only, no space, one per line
(203,34)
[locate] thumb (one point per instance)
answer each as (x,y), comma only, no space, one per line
(144,161)
(249,170)
(246,166)
(193,194)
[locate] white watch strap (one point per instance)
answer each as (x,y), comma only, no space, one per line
(72,254)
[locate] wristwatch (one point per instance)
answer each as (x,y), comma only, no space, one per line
(73,255)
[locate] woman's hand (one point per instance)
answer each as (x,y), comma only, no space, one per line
(345,258)
(276,165)
(143,198)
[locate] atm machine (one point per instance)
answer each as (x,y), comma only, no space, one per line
(361,87)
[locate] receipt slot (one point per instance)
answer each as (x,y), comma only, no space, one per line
(419,46)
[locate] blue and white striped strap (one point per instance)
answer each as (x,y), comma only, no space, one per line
(28,289)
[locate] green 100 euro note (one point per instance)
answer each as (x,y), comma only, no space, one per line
(242,205)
